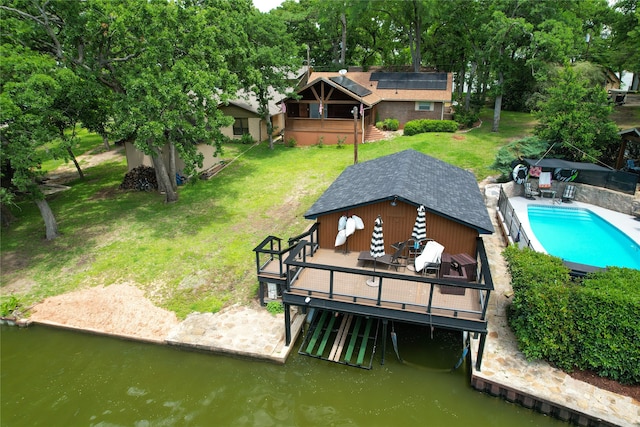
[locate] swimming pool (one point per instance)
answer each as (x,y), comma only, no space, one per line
(579,235)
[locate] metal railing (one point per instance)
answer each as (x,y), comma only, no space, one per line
(512,226)
(332,278)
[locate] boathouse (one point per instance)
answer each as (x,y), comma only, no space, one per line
(356,296)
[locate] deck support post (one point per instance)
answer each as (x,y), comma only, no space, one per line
(385,322)
(483,340)
(287,324)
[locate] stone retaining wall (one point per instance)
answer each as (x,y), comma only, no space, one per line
(598,196)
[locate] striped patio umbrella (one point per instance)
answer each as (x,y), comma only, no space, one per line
(377,247)
(377,239)
(420,227)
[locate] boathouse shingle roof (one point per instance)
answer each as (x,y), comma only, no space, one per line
(413,178)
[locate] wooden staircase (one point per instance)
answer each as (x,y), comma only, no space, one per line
(372,133)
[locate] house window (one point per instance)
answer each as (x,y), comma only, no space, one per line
(424,106)
(240,127)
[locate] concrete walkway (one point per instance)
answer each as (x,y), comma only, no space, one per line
(535,384)
(238,330)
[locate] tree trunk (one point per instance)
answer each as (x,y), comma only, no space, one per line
(50,224)
(498,104)
(172,166)
(75,162)
(472,76)
(343,48)
(6,217)
(105,140)
(417,25)
(163,177)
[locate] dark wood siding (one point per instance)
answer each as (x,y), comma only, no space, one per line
(398,225)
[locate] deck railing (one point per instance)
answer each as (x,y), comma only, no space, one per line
(512,226)
(331,279)
(270,250)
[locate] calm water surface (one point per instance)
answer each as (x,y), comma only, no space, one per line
(52,377)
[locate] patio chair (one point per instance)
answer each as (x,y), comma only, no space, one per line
(389,260)
(529,192)
(569,193)
(631,166)
(430,258)
(544,182)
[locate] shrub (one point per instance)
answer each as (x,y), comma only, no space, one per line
(341,141)
(391,124)
(320,141)
(9,305)
(291,142)
(247,139)
(415,127)
(388,124)
(586,325)
(275,307)
(466,118)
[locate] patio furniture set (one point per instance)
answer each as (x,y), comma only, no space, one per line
(545,189)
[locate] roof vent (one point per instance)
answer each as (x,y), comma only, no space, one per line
(342,72)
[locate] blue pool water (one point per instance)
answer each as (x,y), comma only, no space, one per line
(579,235)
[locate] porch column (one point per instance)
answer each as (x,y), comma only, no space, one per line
(384,339)
(483,340)
(287,324)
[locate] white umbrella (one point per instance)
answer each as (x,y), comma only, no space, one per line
(377,246)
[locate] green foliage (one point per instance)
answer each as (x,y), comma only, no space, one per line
(530,147)
(589,325)
(320,142)
(275,307)
(466,118)
(291,142)
(341,141)
(574,115)
(388,124)
(8,305)
(415,127)
(247,139)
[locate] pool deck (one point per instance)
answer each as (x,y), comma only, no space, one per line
(625,223)
(506,373)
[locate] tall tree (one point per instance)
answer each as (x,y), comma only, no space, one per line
(270,62)
(27,93)
(574,116)
(167,64)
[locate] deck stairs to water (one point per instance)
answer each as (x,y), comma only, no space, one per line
(341,338)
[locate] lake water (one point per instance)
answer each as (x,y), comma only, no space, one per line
(53,377)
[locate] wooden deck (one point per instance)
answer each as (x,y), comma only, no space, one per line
(403,290)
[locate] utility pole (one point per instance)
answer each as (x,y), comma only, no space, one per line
(355,135)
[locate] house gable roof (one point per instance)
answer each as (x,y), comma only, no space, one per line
(413,178)
(370,90)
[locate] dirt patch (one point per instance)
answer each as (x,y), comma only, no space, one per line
(458,137)
(120,309)
(67,172)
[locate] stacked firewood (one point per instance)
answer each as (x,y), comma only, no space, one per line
(142,178)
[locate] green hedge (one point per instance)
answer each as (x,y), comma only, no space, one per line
(388,124)
(415,127)
(589,324)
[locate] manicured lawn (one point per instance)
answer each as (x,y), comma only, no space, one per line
(196,254)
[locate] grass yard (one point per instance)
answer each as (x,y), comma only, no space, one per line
(196,254)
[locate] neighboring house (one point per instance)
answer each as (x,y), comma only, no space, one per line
(326,102)
(393,187)
(244,111)
(335,283)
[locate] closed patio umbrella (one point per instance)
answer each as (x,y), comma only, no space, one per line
(377,247)
(420,227)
